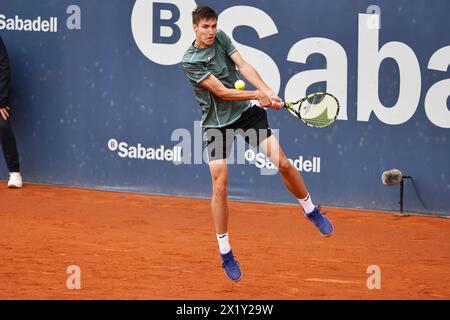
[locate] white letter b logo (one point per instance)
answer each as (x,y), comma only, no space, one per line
(162,29)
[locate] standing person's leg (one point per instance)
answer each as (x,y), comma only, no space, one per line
(295,184)
(9,146)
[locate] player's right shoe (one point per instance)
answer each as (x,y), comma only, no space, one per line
(320,221)
(231,266)
(15,180)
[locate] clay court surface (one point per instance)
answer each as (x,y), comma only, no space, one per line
(155,247)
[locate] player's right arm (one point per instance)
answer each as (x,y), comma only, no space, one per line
(212,84)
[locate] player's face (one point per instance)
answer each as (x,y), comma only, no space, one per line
(205,32)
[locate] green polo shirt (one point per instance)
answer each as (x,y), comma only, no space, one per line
(198,64)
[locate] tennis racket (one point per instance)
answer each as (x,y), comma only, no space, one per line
(317,110)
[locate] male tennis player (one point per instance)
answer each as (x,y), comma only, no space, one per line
(210,66)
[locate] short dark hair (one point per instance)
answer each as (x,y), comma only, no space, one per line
(203,12)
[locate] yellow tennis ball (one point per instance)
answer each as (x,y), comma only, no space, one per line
(240,85)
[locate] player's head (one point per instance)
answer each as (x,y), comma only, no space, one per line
(204,20)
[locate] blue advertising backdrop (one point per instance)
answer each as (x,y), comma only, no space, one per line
(108,74)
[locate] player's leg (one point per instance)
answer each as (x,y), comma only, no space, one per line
(295,184)
(219,204)
(258,134)
(291,177)
(218,148)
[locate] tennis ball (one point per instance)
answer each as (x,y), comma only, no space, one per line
(240,85)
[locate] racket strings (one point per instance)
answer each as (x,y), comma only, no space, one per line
(320,121)
(318,110)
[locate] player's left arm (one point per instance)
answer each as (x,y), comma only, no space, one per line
(252,76)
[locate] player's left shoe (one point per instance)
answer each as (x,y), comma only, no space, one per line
(231,266)
(322,224)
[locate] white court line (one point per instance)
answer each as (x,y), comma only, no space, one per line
(330,280)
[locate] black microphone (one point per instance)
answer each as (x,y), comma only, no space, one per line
(392,177)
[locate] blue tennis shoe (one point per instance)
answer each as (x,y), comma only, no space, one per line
(322,224)
(231,266)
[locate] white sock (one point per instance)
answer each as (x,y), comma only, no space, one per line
(307,204)
(224,244)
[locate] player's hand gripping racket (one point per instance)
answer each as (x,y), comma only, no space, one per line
(317,110)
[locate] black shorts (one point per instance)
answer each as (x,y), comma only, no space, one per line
(252,126)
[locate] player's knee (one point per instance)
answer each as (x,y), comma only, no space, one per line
(220,189)
(284,165)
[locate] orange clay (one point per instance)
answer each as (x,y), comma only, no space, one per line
(155,247)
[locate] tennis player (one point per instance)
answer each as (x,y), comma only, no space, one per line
(210,66)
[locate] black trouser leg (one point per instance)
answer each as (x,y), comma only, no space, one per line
(9,146)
